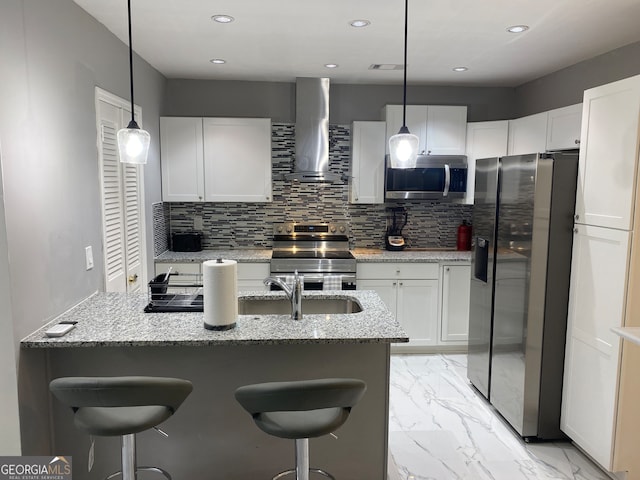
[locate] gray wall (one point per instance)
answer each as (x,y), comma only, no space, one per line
(566,86)
(194,98)
(53,56)
(364,102)
(9,426)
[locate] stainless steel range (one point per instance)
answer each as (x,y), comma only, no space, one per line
(319,251)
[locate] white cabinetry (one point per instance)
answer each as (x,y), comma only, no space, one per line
(237,159)
(251,276)
(191,268)
(455,289)
(182,159)
(484,140)
(563,128)
(366,176)
(528,134)
(608,154)
(441,129)
(216,159)
(596,303)
(597,411)
(410,291)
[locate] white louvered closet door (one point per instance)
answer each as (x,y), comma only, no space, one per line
(121,206)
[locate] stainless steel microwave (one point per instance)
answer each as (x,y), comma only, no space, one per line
(436,177)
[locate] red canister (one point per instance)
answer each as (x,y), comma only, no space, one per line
(463,241)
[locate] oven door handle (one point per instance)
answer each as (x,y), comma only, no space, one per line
(319,277)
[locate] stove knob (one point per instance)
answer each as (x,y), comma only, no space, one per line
(342,229)
(333,229)
(289,229)
(279,229)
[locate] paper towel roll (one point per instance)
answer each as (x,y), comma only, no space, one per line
(220,294)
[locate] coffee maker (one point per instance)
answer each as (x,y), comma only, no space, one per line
(396,220)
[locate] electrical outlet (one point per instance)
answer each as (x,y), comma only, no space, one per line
(88,255)
(197,223)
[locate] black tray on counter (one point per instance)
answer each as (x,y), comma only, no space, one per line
(175,302)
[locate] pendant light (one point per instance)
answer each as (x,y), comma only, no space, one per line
(133,142)
(403,146)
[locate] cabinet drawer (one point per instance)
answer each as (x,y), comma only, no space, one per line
(397,270)
(178,268)
(253,271)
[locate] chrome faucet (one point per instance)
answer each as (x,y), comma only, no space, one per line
(293,292)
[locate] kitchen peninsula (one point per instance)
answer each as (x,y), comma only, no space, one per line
(211,435)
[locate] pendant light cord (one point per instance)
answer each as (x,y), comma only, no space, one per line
(130,63)
(406,29)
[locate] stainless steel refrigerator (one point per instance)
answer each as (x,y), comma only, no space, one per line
(523,232)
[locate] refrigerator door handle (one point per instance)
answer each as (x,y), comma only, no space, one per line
(447,179)
(481,259)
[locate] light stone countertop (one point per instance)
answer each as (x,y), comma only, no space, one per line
(361,255)
(118,320)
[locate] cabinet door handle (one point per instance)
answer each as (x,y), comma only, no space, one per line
(577,217)
(575,230)
(577,142)
(394,284)
(401,283)
(446,269)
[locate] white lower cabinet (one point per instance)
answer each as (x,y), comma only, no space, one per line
(455,289)
(251,276)
(413,292)
(191,268)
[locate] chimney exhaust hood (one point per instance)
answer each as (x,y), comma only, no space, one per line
(311,163)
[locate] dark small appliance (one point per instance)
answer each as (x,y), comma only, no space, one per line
(396,221)
(186,242)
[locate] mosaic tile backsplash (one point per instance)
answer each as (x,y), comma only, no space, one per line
(249,225)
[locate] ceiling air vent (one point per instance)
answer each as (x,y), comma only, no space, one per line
(386,66)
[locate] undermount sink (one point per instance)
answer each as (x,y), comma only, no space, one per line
(310,306)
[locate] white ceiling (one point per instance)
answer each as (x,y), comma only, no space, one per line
(279,40)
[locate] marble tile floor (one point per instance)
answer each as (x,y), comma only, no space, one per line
(442,429)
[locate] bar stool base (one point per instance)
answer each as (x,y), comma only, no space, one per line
(311,470)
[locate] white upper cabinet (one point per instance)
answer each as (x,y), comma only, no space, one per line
(181,159)
(215,159)
(366,176)
(237,159)
(441,129)
(484,140)
(609,154)
(446,130)
(563,128)
(528,134)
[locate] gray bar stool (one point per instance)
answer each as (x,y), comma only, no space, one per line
(122,406)
(301,410)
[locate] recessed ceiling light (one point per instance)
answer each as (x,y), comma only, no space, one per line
(331,65)
(359,23)
(218,61)
(222,18)
(517,28)
(460,69)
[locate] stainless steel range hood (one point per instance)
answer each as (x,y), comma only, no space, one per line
(311,163)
